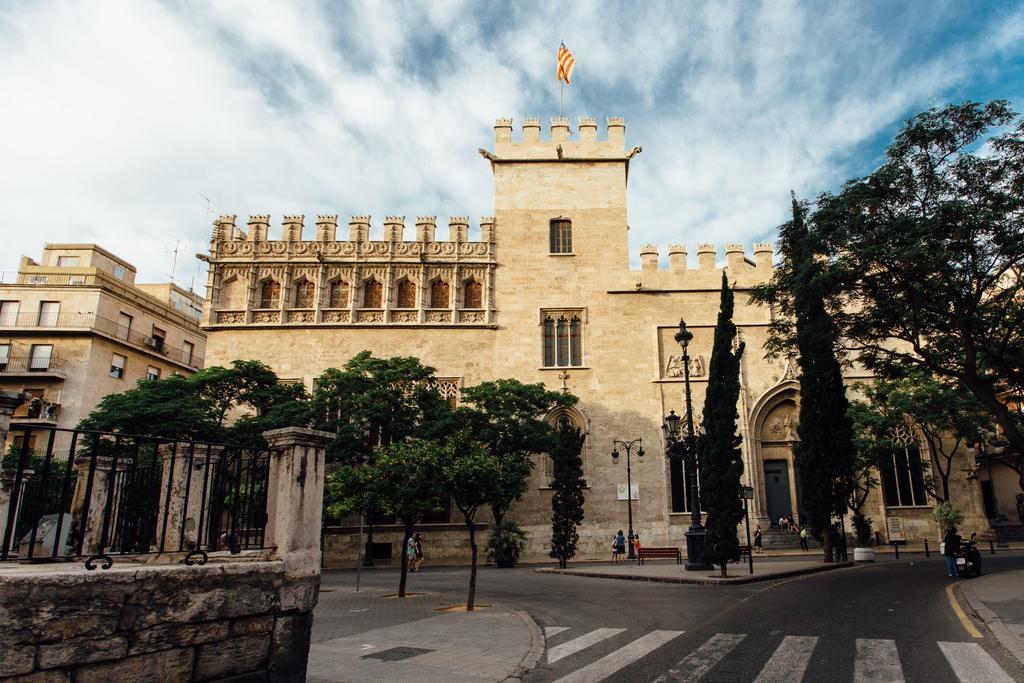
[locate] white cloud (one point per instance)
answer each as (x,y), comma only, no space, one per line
(114,117)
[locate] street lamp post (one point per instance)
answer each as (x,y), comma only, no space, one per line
(628,447)
(685,447)
(748,494)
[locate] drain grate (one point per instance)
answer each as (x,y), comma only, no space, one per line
(397,654)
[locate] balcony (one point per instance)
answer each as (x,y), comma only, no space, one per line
(53,367)
(91,322)
(36,412)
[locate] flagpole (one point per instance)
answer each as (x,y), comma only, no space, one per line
(561,95)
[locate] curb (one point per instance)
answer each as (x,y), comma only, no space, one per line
(708,581)
(536,651)
(994,624)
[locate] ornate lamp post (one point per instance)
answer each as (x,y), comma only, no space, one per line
(683,446)
(628,446)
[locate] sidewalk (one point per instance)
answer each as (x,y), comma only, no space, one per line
(368,636)
(998,601)
(666,571)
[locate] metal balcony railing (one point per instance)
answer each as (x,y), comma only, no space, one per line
(101,324)
(20,365)
(9,277)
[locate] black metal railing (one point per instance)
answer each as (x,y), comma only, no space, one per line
(112,328)
(93,496)
(52,364)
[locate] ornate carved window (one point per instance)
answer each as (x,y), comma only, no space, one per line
(305,294)
(563,339)
(338,294)
(372,294)
(472,294)
(406,294)
(448,388)
(561,236)
(903,471)
(439,294)
(270,294)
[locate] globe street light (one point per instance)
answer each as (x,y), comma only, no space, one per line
(678,445)
(628,446)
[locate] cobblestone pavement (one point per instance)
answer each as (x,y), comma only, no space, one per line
(371,635)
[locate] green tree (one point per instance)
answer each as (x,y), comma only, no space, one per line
(930,247)
(471,474)
(941,412)
(403,480)
(372,402)
(200,405)
(507,417)
(718,448)
(568,485)
(803,291)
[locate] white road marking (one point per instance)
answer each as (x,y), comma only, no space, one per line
(554,630)
(621,658)
(693,666)
(581,643)
(971,663)
(877,662)
(789,663)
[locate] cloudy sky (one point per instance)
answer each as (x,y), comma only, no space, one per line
(117,118)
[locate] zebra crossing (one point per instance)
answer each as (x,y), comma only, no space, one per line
(875,659)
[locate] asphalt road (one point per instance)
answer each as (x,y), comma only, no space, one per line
(879,622)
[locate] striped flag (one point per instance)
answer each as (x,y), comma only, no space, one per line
(565,64)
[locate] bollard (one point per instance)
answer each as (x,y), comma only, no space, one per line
(991,547)
(896,548)
(926,548)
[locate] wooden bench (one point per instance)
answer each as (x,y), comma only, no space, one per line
(660,554)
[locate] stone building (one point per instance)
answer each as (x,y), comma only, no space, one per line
(544,293)
(76,326)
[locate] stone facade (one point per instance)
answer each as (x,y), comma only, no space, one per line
(553,262)
(168,623)
(65,319)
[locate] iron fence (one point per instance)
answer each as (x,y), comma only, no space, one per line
(71,494)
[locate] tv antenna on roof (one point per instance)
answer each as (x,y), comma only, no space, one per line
(174,261)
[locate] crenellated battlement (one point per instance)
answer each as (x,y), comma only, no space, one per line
(562,142)
(292,227)
(736,259)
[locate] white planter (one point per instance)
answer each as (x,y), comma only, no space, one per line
(863,554)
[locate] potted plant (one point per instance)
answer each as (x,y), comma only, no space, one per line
(862,551)
(506,544)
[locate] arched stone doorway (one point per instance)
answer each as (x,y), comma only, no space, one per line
(773,426)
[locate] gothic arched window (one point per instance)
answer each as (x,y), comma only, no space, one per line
(338,297)
(305,294)
(472,294)
(270,294)
(372,294)
(563,340)
(406,297)
(439,294)
(561,236)
(232,294)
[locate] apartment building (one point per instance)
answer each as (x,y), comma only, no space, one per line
(75,327)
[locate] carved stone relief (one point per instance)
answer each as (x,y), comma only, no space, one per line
(674,367)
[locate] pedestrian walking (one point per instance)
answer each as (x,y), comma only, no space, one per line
(419,551)
(410,554)
(618,546)
(950,546)
(757,540)
(636,545)
(804,535)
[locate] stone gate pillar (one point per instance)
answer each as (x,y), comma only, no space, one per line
(9,401)
(89,504)
(184,466)
(295,495)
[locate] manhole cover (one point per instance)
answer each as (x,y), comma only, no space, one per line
(397,654)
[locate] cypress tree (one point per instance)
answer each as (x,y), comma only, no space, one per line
(567,501)
(721,463)
(825,454)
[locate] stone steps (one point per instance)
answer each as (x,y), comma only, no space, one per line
(780,540)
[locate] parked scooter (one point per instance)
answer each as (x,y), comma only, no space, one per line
(968,559)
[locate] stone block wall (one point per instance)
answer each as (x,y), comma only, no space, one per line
(156,623)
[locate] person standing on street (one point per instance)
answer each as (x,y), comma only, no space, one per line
(418,543)
(618,546)
(757,540)
(804,533)
(636,545)
(410,554)
(951,544)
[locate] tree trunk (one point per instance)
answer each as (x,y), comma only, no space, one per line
(826,537)
(405,560)
(724,572)
(1000,412)
(472,566)
(498,516)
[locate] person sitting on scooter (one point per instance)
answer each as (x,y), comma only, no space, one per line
(949,550)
